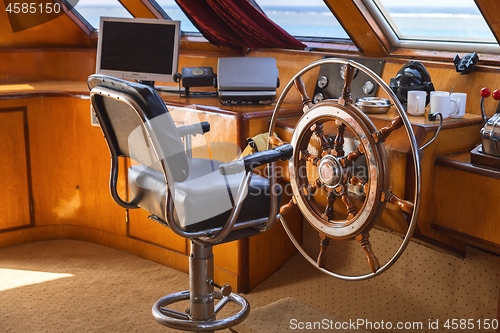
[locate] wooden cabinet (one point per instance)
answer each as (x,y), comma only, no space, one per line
(465,199)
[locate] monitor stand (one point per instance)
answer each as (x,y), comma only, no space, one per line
(147,83)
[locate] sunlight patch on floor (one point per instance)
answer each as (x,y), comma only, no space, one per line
(15,278)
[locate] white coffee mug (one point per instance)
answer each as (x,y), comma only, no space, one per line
(416,102)
(441,102)
(461,99)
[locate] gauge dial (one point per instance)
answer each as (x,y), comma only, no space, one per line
(318,98)
(368,87)
(322,81)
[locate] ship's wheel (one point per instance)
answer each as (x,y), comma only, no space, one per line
(340,174)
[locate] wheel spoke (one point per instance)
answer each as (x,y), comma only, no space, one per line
(338,146)
(346,199)
(351,157)
(323,245)
(275,141)
(356,181)
(307,156)
(312,188)
(384,132)
(320,134)
(285,209)
(405,205)
(306,100)
(329,213)
(349,73)
(364,239)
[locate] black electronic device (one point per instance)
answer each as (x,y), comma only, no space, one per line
(412,76)
(145,50)
(465,65)
(247,80)
(197,77)
(330,80)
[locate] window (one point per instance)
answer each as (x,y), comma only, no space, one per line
(435,24)
(300,18)
(175,13)
(92,10)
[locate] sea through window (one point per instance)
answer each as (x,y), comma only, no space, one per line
(435,23)
(300,18)
(92,10)
(175,13)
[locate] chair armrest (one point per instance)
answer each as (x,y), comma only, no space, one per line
(193,129)
(252,161)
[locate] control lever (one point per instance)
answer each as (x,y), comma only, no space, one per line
(193,129)
(485,93)
(252,161)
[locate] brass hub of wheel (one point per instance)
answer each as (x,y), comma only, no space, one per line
(330,171)
(318,178)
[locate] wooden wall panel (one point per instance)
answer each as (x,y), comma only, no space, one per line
(466,206)
(71,177)
(271,249)
(14,169)
(444,77)
(61,31)
(140,9)
(147,230)
(18,65)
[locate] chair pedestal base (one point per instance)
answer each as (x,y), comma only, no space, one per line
(201,315)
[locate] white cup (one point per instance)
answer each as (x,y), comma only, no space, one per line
(461,100)
(416,102)
(441,102)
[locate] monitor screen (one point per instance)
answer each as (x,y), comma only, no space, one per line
(138,49)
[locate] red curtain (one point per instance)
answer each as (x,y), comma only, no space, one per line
(236,24)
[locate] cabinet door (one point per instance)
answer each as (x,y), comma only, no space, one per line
(15,191)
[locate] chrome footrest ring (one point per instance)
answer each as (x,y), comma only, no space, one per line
(182,321)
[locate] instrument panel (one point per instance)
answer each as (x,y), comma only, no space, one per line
(331,80)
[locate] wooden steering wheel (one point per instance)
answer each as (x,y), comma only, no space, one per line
(339,171)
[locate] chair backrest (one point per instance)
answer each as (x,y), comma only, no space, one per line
(133,117)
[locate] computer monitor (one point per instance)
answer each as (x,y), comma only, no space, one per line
(146,50)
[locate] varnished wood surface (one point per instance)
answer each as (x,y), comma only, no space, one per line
(44,89)
(462,161)
(64,50)
(467,207)
(229,123)
(141,9)
(15,204)
(65,31)
(357,21)
(465,201)
(46,64)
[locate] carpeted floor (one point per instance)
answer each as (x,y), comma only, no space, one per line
(72,286)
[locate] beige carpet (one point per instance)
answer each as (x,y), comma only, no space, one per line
(72,286)
(422,288)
